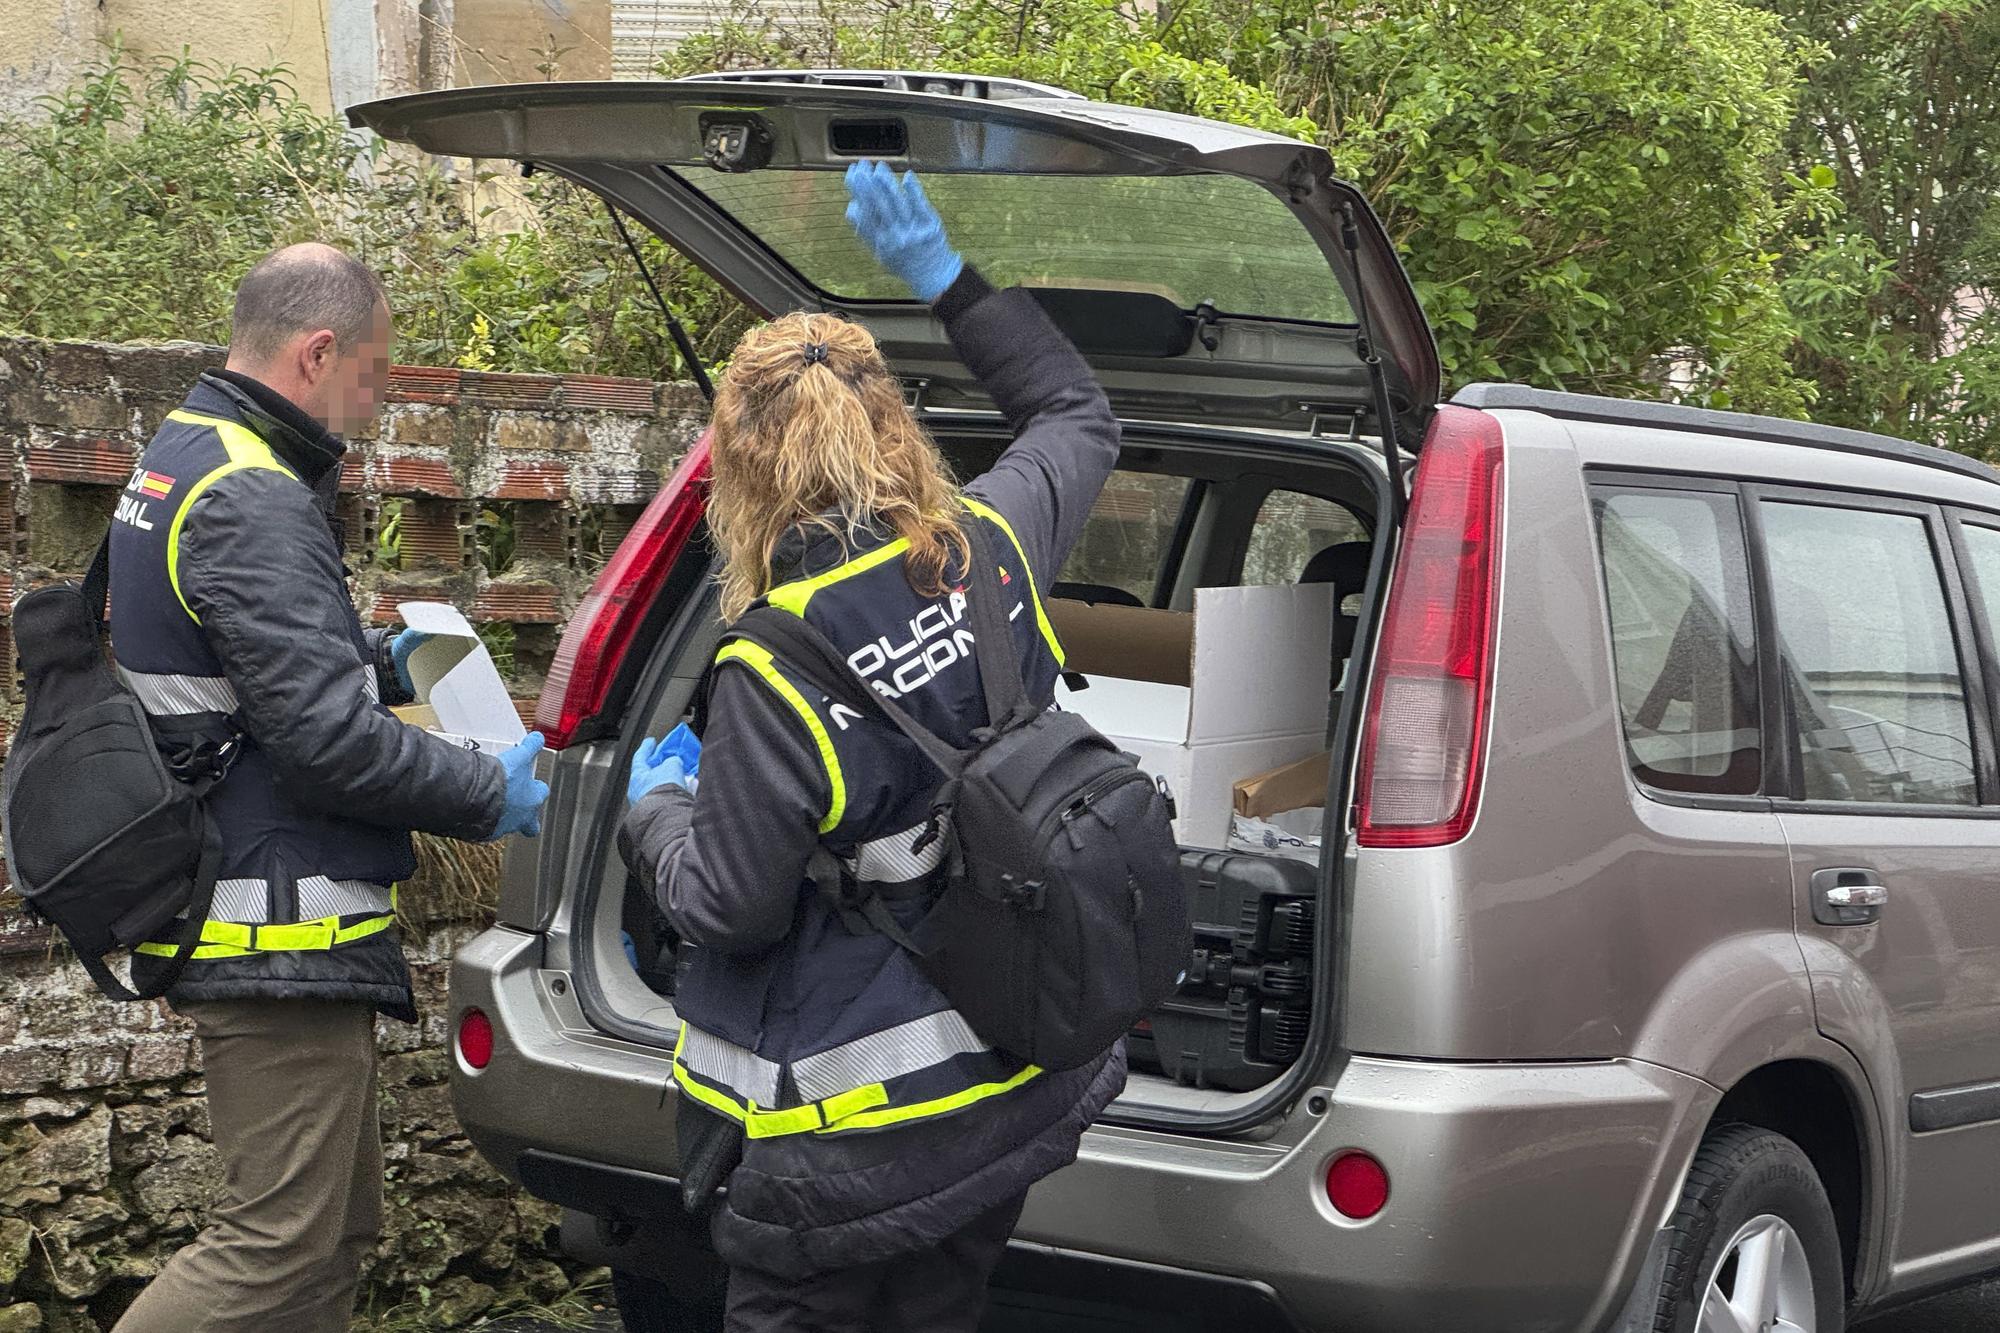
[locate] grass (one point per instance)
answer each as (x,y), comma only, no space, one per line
(455,881)
(581,1309)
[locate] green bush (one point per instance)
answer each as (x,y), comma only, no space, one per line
(1679,198)
(1619,196)
(139,197)
(1589,194)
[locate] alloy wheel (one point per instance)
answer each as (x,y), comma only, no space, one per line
(1763,1282)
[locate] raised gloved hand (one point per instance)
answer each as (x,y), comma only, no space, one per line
(674,758)
(525,791)
(894,219)
(400,648)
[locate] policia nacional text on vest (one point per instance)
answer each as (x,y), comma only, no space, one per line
(906,1054)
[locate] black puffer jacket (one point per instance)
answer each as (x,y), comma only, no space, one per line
(229,600)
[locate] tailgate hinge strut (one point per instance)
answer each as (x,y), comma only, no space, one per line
(682,343)
(1350,240)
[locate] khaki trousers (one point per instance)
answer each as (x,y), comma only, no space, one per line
(291,1098)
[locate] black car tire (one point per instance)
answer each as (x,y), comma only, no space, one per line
(1739,1173)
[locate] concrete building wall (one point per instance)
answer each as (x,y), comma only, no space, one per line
(338,52)
(44,43)
(508,41)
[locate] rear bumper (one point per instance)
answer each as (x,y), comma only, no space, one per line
(633,1220)
(1520,1195)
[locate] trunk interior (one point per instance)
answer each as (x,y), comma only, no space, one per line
(1212,604)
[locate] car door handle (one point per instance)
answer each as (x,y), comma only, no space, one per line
(1848,897)
(1857,895)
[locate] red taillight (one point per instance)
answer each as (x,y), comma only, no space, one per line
(475,1039)
(609,615)
(1426,733)
(1357,1186)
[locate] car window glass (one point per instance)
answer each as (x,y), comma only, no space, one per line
(1983,545)
(1125,539)
(1871,668)
(1292,528)
(1121,233)
(1683,641)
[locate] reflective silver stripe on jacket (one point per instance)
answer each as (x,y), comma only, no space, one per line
(878,1057)
(743,1072)
(248,901)
(889,860)
(175,696)
(891,1053)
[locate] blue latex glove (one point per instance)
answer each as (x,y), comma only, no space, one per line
(895,220)
(655,764)
(684,745)
(400,649)
(525,791)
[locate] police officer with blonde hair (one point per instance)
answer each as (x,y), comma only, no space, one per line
(885,1148)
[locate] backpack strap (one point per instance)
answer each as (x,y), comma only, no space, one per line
(97,583)
(207,868)
(855,903)
(1007,704)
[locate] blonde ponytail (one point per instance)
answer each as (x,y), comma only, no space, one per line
(810,428)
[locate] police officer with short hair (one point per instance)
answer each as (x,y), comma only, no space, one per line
(231,621)
(886,1148)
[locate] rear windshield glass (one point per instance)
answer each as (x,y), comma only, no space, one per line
(1187,238)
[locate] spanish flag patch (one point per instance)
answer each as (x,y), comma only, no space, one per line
(156,484)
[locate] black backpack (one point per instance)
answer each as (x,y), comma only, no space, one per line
(1063,917)
(107,836)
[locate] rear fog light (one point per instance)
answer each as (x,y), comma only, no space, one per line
(1357,1186)
(475,1039)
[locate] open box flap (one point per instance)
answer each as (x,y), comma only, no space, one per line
(453,675)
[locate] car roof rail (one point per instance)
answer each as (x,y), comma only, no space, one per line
(1678,416)
(897,80)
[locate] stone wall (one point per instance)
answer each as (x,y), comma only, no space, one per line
(500,493)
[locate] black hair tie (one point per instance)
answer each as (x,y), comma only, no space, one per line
(815,353)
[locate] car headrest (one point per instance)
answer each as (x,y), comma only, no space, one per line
(1344,565)
(1097,594)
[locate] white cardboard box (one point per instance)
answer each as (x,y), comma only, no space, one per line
(1235,689)
(457,686)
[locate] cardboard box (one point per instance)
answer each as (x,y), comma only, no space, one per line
(1299,786)
(1236,688)
(460,695)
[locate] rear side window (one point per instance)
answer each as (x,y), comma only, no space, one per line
(1291,529)
(1126,539)
(1682,637)
(1872,674)
(1982,545)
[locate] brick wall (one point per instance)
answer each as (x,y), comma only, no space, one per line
(500,493)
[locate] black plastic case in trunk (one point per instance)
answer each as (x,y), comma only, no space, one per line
(1240,1016)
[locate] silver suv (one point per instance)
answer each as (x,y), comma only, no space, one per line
(1647,973)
